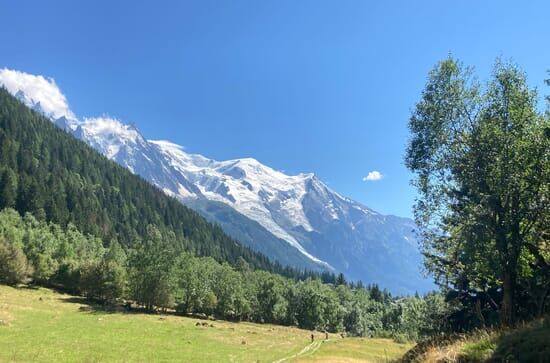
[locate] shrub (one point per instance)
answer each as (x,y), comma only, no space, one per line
(14,266)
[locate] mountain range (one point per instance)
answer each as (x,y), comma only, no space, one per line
(296,220)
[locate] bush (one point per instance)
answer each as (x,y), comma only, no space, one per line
(400,338)
(14,266)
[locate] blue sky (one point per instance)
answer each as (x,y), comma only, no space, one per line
(303,86)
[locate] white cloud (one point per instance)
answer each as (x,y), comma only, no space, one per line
(37,89)
(373,176)
(106,125)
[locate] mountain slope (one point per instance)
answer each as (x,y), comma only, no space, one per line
(252,234)
(302,210)
(49,173)
(296,219)
(125,145)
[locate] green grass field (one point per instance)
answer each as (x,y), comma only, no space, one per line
(356,350)
(40,325)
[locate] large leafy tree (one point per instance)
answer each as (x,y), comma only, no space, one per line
(151,267)
(105,278)
(481,163)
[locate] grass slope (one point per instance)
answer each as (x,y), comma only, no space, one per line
(527,343)
(46,326)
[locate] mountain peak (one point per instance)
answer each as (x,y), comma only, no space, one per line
(248,161)
(110,127)
(307,176)
(300,211)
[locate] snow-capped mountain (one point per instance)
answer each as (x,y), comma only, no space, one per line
(296,219)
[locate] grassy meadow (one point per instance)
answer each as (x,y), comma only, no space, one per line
(351,350)
(41,325)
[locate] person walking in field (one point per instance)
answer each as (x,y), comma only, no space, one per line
(312,337)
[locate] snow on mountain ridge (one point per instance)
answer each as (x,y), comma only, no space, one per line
(107,126)
(109,135)
(248,186)
(295,217)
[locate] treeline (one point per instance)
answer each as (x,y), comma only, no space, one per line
(480,153)
(156,275)
(57,178)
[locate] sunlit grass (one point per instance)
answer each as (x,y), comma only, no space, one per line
(41,325)
(357,350)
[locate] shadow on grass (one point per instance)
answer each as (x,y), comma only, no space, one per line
(27,287)
(96,306)
(526,344)
(93,306)
(88,304)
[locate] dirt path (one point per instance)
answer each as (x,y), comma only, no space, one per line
(309,349)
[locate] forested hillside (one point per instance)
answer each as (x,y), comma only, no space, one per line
(75,220)
(47,172)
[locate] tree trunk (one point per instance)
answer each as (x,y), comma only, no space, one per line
(479,313)
(542,303)
(507,307)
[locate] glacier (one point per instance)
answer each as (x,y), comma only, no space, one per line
(295,219)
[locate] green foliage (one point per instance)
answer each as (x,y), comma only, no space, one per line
(481,157)
(105,279)
(8,187)
(193,290)
(14,267)
(271,305)
(151,266)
